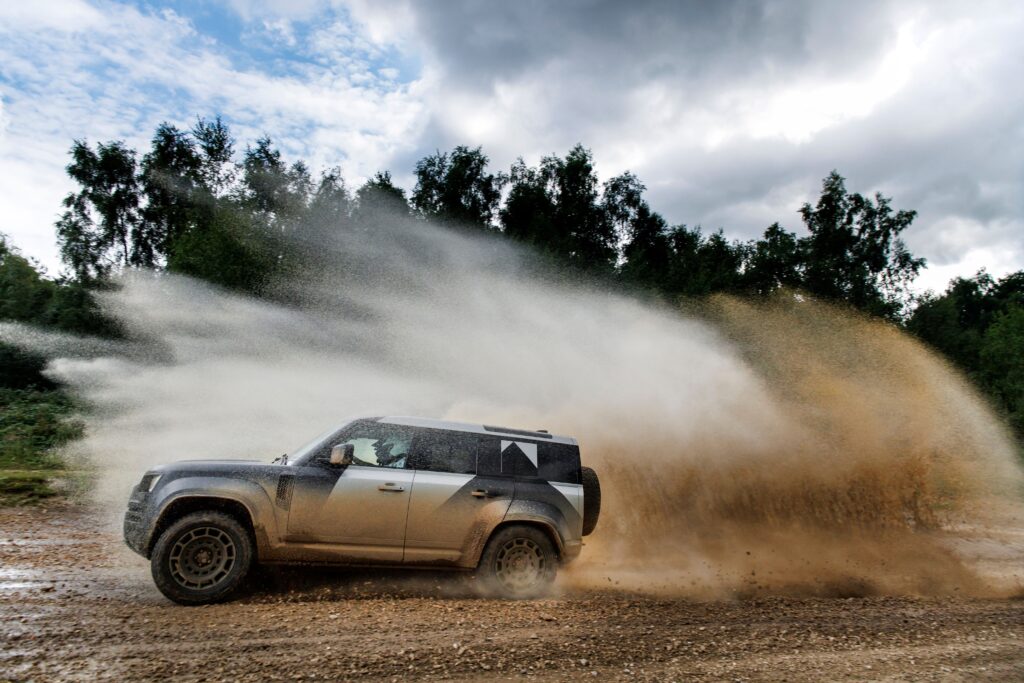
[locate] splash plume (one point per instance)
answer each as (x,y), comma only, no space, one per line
(784,446)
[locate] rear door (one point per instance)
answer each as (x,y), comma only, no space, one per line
(459,494)
(548,473)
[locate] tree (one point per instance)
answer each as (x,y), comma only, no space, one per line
(235,249)
(587,236)
(24,293)
(854,252)
(101,223)
(978,323)
(277,193)
(455,188)
(1002,363)
(172,178)
(28,296)
(330,211)
(79,242)
(216,147)
(379,197)
(646,251)
(773,261)
(331,202)
(556,207)
(955,322)
(529,212)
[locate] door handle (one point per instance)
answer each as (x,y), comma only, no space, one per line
(390,487)
(481,493)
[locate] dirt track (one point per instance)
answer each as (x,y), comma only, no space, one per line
(75,604)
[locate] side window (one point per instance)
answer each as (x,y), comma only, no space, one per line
(378,445)
(488,458)
(438,451)
(558,462)
(537,460)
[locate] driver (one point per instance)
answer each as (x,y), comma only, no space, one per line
(385,458)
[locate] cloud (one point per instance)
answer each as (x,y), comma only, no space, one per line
(110,71)
(732,112)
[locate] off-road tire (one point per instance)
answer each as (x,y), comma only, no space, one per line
(591,500)
(201,558)
(519,562)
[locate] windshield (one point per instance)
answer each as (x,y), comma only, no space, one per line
(304,453)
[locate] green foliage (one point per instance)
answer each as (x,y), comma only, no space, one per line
(854,253)
(172,184)
(557,208)
(101,226)
(33,425)
(529,211)
(28,297)
(979,324)
(454,188)
(26,487)
(1002,362)
(379,197)
(773,261)
(232,249)
(273,191)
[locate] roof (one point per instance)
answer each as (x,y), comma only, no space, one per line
(477,429)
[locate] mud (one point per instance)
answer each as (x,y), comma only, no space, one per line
(76,605)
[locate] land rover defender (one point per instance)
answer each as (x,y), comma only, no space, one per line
(510,505)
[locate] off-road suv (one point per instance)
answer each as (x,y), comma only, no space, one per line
(509,504)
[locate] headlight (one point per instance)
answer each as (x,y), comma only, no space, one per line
(148,482)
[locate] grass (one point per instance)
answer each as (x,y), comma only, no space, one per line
(27,487)
(34,425)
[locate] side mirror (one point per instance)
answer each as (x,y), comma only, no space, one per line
(342,454)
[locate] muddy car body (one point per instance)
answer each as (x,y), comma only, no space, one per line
(509,504)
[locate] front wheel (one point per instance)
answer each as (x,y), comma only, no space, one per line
(201,558)
(518,562)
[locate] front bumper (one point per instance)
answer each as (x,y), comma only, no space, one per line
(136,522)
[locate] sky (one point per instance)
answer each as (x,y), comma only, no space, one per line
(731,112)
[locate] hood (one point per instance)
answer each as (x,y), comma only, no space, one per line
(212,466)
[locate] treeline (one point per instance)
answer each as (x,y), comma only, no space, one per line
(194,205)
(187,206)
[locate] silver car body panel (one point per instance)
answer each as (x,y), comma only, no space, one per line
(360,511)
(450,513)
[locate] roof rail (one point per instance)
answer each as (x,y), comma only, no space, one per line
(524,432)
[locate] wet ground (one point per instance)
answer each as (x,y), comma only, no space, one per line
(76,605)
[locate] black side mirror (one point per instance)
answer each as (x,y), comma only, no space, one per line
(342,454)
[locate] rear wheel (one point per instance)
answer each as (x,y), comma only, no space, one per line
(201,558)
(518,562)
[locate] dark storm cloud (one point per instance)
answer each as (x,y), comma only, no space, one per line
(732,112)
(627,43)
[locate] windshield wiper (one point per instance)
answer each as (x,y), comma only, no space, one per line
(283,459)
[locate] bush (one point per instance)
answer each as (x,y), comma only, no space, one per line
(33,425)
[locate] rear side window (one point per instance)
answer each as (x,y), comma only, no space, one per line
(548,461)
(436,450)
(558,462)
(439,451)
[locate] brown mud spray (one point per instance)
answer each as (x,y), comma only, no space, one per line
(783,447)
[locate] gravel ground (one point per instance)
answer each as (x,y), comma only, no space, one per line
(76,605)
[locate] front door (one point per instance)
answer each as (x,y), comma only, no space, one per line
(357,513)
